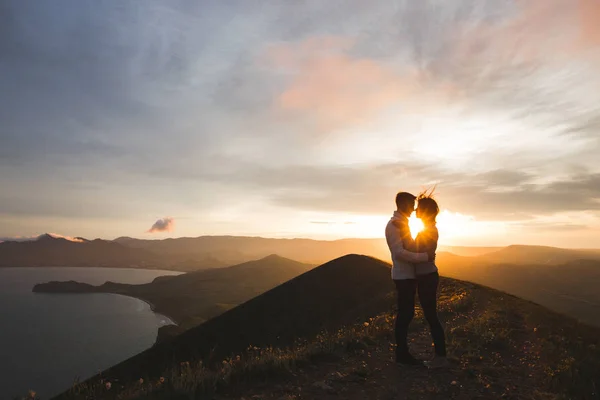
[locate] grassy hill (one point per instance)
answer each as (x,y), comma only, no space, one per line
(327,334)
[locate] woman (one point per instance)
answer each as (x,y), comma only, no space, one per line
(427,275)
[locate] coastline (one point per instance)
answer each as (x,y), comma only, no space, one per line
(152,308)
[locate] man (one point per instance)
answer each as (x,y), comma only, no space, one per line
(397,234)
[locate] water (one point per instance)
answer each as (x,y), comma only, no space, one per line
(48,340)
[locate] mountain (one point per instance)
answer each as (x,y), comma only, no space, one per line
(326,334)
(521,254)
(49,251)
(197,296)
(468,251)
(53,251)
(560,279)
(237,249)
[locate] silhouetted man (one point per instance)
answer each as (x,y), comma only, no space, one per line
(397,234)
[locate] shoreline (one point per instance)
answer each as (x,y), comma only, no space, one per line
(152,308)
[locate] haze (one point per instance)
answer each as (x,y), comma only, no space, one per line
(300,119)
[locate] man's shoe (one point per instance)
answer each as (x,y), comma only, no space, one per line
(438,362)
(408,359)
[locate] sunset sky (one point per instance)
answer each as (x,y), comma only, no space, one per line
(159,119)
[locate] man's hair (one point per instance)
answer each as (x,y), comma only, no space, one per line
(403,199)
(428,205)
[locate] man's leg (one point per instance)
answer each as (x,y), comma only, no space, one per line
(406,290)
(427,286)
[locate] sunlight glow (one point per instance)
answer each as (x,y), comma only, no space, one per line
(415,225)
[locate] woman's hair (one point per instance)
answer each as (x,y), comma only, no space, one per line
(428,207)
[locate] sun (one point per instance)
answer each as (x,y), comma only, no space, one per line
(415,225)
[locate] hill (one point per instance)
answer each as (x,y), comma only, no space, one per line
(570,288)
(500,347)
(520,254)
(192,298)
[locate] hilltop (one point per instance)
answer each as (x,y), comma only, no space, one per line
(327,333)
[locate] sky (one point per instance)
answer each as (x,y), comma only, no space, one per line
(158,119)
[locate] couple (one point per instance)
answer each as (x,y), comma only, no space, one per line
(413,271)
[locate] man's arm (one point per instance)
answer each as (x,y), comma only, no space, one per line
(394,238)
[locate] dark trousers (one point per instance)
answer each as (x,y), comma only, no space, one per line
(426,286)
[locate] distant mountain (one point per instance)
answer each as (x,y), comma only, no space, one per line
(48,251)
(522,254)
(237,249)
(197,296)
(54,251)
(560,279)
(469,251)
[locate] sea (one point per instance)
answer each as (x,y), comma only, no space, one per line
(48,341)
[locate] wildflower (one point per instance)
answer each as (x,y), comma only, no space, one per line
(107,385)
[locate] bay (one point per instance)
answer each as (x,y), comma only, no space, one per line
(49,340)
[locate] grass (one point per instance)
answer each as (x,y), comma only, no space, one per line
(194,381)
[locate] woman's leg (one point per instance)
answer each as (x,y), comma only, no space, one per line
(427,287)
(406,290)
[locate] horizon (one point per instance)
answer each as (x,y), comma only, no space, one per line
(443,247)
(301,120)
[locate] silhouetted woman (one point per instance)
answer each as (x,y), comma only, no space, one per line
(427,275)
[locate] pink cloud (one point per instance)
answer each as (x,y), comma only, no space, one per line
(339,90)
(163,225)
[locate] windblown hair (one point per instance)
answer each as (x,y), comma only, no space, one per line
(428,206)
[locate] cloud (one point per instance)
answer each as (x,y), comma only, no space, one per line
(339,89)
(163,225)
(500,194)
